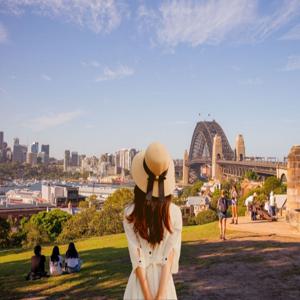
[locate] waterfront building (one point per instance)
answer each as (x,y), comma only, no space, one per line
(22,196)
(61,195)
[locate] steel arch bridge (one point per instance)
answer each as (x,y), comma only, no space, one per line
(202,143)
(201,156)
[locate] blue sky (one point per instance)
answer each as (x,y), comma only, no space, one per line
(95,76)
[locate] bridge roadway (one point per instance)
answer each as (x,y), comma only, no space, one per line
(238,168)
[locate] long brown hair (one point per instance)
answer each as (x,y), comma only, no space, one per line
(150,218)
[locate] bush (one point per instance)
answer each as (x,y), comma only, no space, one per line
(191,221)
(206,216)
(242,211)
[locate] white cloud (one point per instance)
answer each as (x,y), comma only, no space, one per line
(93,64)
(117,73)
(293,63)
(213,22)
(52,120)
(97,15)
(3,34)
(251,81)
(293,34)
(46,77)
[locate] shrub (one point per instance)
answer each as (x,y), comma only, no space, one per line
(206,216)
(191,221)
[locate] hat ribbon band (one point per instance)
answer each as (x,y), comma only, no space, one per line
(151,178)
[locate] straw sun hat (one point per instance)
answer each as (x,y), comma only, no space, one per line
(153,171)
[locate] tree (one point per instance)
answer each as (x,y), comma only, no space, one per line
(34,235)
(51,222)
(193,190)
(251,175)
(271,184)
(4,233)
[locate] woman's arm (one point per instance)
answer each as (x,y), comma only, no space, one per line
(140,274)
(165,277)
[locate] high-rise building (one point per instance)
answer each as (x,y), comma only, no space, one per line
(19,153)
(74,159)
(1,139)
(35,147)
(66,160)
(46,149)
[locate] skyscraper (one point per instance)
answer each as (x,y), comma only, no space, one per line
(74,159)
(46,149)
(35,147)
(19,153)
(1,139)
(66,160)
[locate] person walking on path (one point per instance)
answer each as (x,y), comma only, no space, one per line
(234,206)
(153,227)
(272,204)
(222,214)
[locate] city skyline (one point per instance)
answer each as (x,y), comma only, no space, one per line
(98,78)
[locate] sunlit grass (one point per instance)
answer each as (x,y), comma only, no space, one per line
(106,268)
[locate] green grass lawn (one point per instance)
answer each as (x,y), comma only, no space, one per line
(106,267)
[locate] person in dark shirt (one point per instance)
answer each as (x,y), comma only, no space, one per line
(37,265)
(222,208)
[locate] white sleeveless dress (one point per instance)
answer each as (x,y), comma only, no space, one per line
(142,255)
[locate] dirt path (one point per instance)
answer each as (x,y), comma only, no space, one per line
(246,266)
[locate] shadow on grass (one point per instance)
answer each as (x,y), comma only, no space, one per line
(209,270)
(251,268)
(104,275)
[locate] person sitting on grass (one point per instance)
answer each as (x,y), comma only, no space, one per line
(56,262)
(37,265)
(72,260)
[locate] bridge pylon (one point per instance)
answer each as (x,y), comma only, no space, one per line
(293,188)
(240,149)
(186,169)
(217,154)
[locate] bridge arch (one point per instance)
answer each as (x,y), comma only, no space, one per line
(202,141)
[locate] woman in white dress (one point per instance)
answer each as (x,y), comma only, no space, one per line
(153,227)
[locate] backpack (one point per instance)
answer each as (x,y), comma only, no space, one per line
(223,205)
